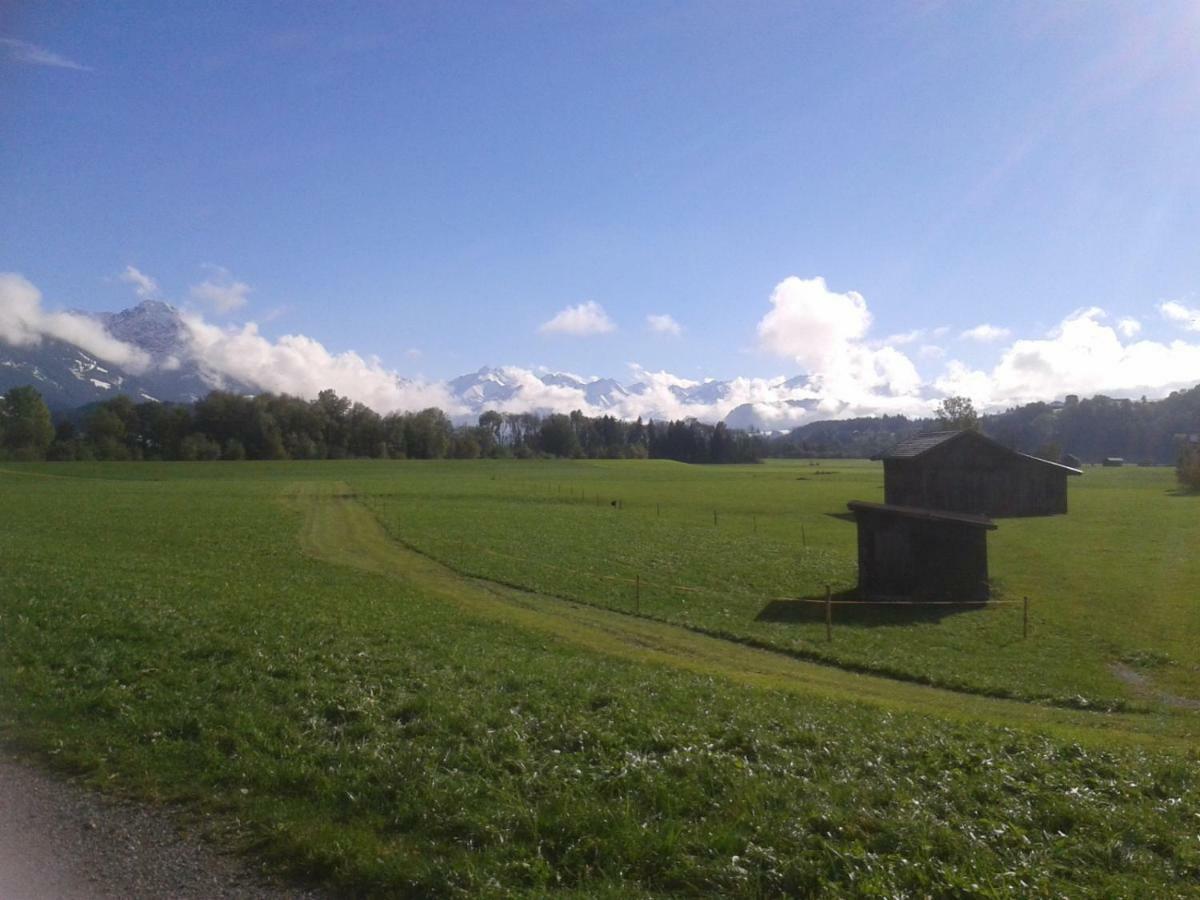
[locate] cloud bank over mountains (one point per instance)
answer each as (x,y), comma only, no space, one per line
(23,323)
(1083,355)
(299,365)
(811,329)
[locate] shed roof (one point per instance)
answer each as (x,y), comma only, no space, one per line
(913,447)
(927,515)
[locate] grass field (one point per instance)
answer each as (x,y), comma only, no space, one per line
(260,643)
(1115,580)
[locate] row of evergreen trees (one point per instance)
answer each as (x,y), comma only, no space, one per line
(270,426)
(277,426)
(1141,431)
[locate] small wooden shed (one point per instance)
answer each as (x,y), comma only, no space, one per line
(965,472)
(921,554)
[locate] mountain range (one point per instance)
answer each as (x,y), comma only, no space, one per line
(69,376)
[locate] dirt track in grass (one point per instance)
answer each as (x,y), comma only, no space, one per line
(339,530)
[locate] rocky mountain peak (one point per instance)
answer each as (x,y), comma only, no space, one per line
(153,325)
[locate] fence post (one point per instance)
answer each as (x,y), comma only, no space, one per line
(828,613)
(714,518)
(1025,621)
(803,537)
(754,519)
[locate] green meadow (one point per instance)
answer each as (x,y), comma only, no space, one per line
(593,678)
(748,552)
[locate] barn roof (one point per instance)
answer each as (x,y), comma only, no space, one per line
(927,515)
(913,447)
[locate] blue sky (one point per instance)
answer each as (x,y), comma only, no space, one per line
(433,183)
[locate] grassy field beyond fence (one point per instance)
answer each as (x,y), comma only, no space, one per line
(737,549)
(244,641)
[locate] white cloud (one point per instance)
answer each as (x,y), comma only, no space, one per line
(985,333)
(533,394)
(581,321)
(825,332)
(1083,355)
(33,55)
(1129,326)
(812,323)
(221,290)
(1184,316)
(301,366)
(767,402)
(143,285)
(905,337)
(664,324)
(294,364)
(658,395)
(24,323)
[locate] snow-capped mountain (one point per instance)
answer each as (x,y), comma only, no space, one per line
(168,366)
(482,389)
(67,376)
(152,325)
(512,389)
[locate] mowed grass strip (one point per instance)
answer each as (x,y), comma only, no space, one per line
(735,550)
(172,640)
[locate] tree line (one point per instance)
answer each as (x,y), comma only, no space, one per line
(230,426)
(1140,431)
(276,426)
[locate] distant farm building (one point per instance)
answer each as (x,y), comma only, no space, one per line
(920,554)
(965,472)
(1113,462)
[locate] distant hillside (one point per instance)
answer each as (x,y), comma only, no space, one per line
(1140,431)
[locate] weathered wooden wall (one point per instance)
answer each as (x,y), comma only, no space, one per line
(902,557)
(977,478)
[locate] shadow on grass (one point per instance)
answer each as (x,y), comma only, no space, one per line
(865,615)
(842,516)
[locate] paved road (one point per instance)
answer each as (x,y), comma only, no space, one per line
(59,841)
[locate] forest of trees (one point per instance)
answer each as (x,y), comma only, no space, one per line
(273,426)
(1140,431)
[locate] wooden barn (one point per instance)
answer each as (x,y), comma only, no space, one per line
(919,554)
(965,472)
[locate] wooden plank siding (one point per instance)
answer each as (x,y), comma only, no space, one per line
(918,554)
(966,472)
